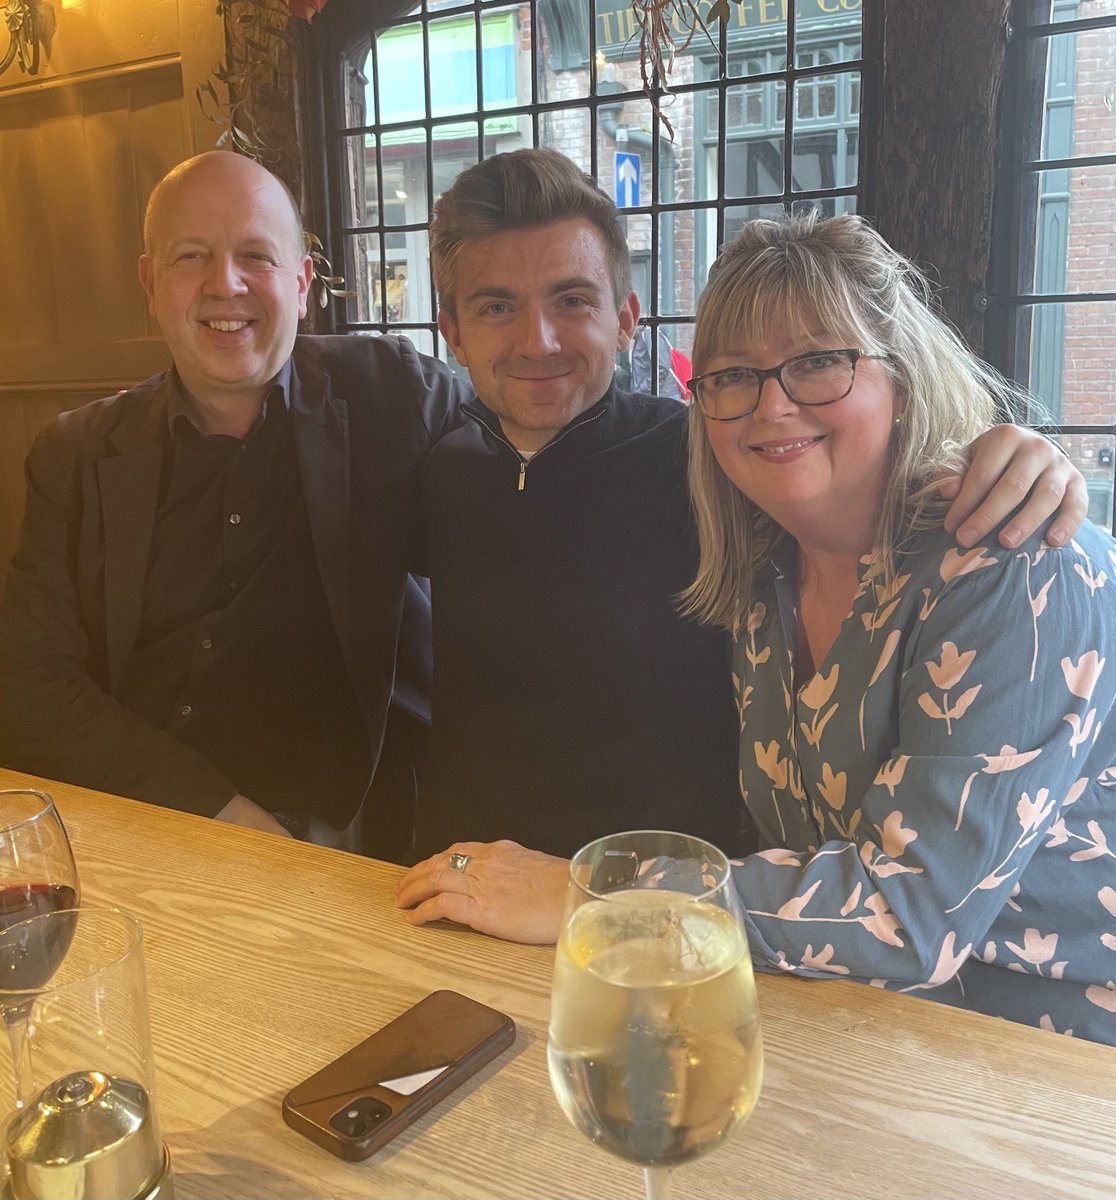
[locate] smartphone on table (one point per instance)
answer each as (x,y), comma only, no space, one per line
(358,1103)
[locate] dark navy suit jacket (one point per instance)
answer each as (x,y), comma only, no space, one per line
(364,412)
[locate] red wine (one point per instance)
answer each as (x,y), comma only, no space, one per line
(31,956)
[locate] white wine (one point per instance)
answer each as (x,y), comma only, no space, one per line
(655,1050)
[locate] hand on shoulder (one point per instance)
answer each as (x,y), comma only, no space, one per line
(1016,472)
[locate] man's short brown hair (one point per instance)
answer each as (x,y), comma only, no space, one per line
(523,189)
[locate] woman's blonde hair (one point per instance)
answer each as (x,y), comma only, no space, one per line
(838,275)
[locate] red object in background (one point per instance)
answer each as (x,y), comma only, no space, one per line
(306,9)
(682,370)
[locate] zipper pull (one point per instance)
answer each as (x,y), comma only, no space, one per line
(522,475)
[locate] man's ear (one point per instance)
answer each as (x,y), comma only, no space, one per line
(447,327)
(628,318)
(146,271)
(305,275)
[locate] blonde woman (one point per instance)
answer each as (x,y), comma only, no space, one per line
(926,740)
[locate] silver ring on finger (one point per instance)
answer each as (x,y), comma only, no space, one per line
(458,862)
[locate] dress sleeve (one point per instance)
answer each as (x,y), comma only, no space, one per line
(1009,673)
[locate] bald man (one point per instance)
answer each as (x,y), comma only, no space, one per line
(205,602)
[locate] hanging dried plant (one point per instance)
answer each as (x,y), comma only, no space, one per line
(657,20)
(243,97)
(328,285)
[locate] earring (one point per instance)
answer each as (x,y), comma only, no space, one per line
(898,421)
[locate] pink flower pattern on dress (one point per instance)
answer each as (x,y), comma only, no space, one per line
(937,804)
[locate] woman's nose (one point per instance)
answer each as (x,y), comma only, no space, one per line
(773,401)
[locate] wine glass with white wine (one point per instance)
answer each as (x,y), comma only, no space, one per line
(655,1050)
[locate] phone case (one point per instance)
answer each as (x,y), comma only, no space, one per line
(349,1108)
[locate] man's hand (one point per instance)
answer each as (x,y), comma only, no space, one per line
(1010,464)
(505,890)
(241,811)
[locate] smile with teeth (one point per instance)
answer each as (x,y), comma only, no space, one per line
(227,326)
(785,447)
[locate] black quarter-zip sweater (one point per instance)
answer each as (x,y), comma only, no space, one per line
(570,698)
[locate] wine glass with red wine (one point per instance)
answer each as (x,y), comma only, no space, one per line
(37,875)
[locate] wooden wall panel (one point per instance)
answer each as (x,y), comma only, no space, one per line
(91,35)
(92,144)
(82,144)
(28,312)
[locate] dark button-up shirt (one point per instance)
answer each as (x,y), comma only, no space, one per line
(237,655)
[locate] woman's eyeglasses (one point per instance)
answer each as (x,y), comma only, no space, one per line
(820,377)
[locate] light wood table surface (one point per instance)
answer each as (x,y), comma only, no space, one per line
(267,958)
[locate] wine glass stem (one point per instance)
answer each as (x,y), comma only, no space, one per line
(16,1020)
(657,1182)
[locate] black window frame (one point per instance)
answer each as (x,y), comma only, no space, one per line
(1024,174)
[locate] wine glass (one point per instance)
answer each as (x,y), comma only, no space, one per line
(37,875)
(655,1050)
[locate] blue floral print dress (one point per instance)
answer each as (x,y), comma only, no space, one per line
(937,804)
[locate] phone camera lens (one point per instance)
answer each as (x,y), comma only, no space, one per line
(360,1117)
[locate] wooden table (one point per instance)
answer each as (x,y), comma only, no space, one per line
(266,958)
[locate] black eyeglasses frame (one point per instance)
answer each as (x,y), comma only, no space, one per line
(776,373)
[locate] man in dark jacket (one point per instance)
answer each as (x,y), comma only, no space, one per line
(205,601)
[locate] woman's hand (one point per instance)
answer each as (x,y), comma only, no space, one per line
(504,890)
(1010,464)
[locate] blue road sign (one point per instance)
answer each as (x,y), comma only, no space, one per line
(627,180)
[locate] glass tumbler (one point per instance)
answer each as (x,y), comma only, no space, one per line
(90,1130)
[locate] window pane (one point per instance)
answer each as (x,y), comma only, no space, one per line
(624,153)
(567,130)
(637,229)
(354,87)
(455,148)
(404,177)
(362,277)
(1067,358)
(736,216)
(1077,118)
(616,28)
(655,363)
(397,75)
(359,202)
(681,339)
(1093,455)
(827,99)
(762,24)
(819,19)
(1088,392)
(402,292)
(677,274)
(422,339)
(499,37)
(754,168)
(564,32)
(453,66)
(1076,251)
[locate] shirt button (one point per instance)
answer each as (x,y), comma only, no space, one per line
(207,643)
(185,711)
(234,518)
